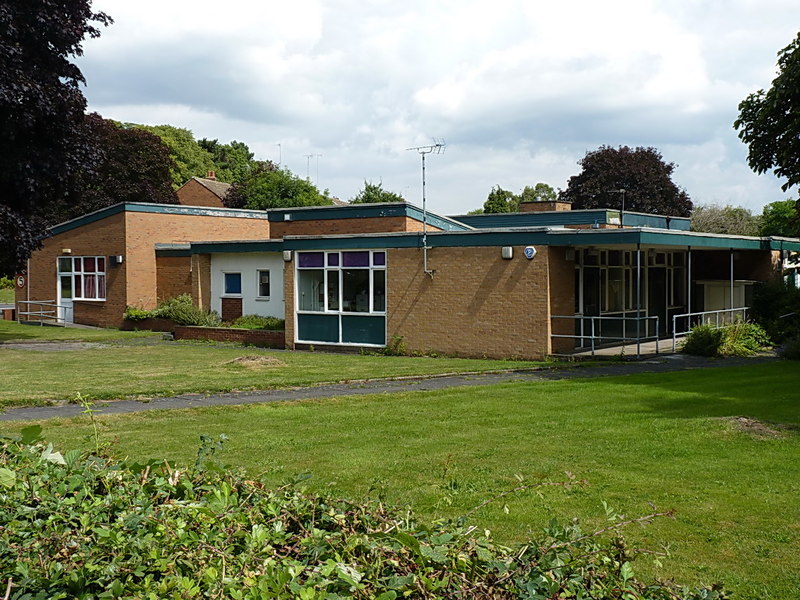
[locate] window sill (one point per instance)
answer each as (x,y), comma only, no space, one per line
(262,299)
(232,296)
(93,300)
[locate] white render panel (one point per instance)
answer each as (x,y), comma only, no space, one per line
(248,264)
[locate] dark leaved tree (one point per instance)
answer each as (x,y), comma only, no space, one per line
(131,165)
(41,114)
(641,172)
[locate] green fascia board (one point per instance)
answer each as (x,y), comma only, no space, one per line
(167,209)
(538,219)
(502,237)
(362,211)
(173,250)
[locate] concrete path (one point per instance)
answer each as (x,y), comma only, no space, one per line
(662,364)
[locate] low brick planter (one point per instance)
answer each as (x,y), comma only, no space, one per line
(256,337)
(148,324)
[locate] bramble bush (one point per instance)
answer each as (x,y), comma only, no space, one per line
(85,526)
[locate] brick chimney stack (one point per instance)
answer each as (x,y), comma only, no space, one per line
(212,175)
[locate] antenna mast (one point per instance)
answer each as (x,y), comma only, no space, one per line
(437,147)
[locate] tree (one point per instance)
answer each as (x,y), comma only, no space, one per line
(130,165)
(42,141)
(501,201)
(641,172)
(232,161)
(191,159)
(769,122)
(541,192)
(780,218)
(730,220)
(373,193)
(267,186)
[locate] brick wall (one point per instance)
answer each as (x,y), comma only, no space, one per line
(173,276)
(562,298)
(281,229)
(201,280)
(288,303)
(194,193)
(476,304)
(231,309)
(256,337)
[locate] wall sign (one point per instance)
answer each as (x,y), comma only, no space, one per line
(530,252)
(20,281)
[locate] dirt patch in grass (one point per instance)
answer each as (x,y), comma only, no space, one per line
(758,429)
(256,362)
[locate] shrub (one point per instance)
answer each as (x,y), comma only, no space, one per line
(6,283)
(791,349)
(83,526)
(180,309)
(703,340)
(133,313)
(259,322)
(742,338)
(776,307)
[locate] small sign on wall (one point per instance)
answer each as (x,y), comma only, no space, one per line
(530,252)
(20,281)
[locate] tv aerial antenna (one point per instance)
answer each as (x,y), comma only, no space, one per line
(438,147)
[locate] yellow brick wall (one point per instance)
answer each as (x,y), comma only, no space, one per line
(288,303)
(173,276)
(476,304)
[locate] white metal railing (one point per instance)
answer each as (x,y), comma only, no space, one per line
(706,317)
(596,335)
(45,311)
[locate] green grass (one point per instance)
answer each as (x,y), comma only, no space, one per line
(665,439)
(6,296)
(119,370)
(11,331)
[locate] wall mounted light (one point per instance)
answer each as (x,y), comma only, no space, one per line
(507,252)
(287,256)
(66,251)
(116,260)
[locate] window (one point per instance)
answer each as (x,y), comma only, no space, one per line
(82,277)
(263,284)
(233,283)
(348,282)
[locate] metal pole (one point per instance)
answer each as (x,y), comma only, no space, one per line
(592,321)
(424,220)
(731,280)
(638,297)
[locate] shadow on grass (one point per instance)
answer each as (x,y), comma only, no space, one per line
(768,392)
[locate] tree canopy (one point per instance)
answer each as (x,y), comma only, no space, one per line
(505,201)
(541,192)
(781,219)
(372,193)
(130,165)
(268,186)
(641,172)
(191,159)
(730,220)
(42,140)
(232,161)
(769,121)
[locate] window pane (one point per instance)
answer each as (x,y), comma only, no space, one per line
(78,286)
(65,265)
(333,259)
(379,259)
(379,291)
(101,264)
(233,283)
(66,286)
(101,287)
(263,283)
(355,259)
(310,287)
(355,290)
(311,259)
(333,290)
(88,264)
(90,286)
(615,290)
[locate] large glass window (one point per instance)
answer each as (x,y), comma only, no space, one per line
(82,277)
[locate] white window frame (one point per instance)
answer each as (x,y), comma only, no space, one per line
(259,296)
(100,275)
(225,292)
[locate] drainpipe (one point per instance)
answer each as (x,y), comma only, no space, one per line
(638,298)
(731,281)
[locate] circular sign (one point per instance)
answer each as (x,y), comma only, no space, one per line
(530,252)
(20,281)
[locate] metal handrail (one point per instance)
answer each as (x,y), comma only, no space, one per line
(638,338)
(48,311)
(702,315)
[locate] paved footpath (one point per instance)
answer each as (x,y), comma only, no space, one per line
(662,364)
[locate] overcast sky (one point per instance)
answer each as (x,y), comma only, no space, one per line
(519,91)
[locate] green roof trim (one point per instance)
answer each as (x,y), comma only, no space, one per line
(166,209)
(364,211)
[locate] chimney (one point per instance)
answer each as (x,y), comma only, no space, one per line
(544,206)
(212,175)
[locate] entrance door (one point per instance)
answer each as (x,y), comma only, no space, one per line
(65,290)
(657,298)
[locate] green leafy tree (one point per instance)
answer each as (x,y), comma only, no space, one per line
(501,201)
(267,186)
(730,220)
(232,161)
(769,121)
(191,159)
(641,172)
(541,192)
(781,218)
(372,193)
(42,137)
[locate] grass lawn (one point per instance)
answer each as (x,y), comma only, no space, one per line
(13,331)
(6,296)
(666,439)
(121,369)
